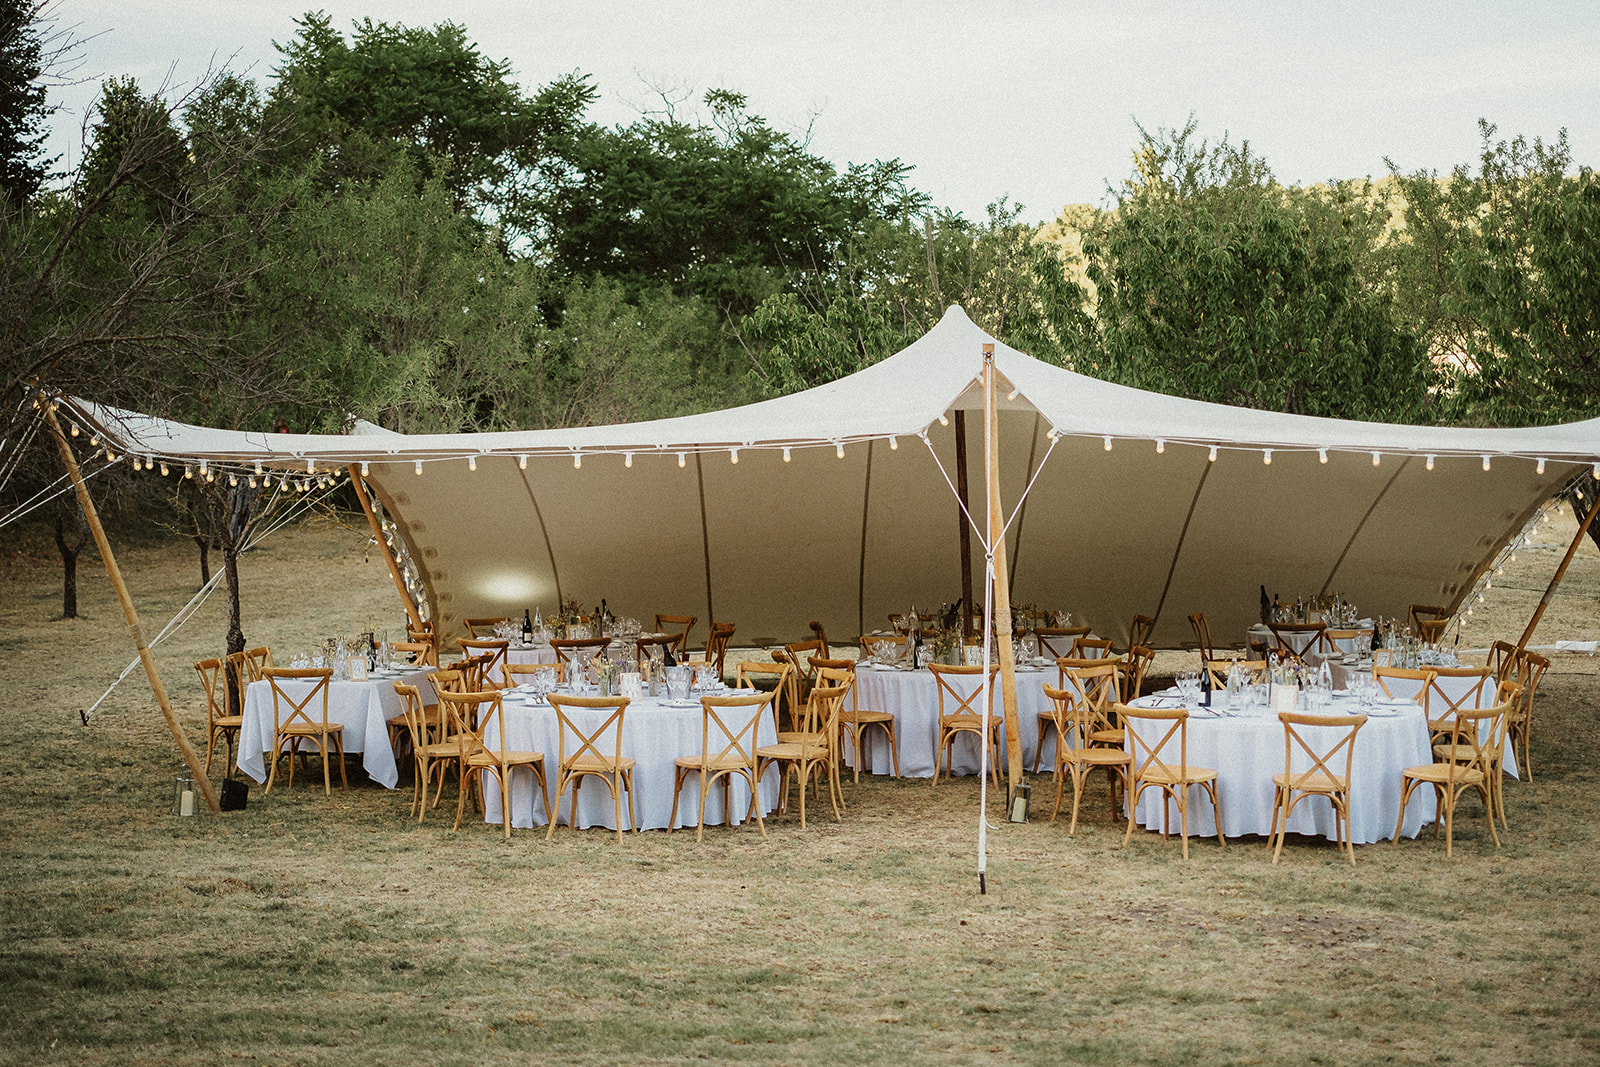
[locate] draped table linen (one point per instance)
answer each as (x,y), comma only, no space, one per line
(655,733)
(364,708)
(912,697)
(1245,748)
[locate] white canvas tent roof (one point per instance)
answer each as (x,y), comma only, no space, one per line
(751,516)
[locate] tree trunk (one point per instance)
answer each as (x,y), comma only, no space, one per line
(233,509)
(69,568)
(204,544)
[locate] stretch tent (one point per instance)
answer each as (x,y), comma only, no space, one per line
(838,503)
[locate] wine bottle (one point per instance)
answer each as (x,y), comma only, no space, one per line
(527,627)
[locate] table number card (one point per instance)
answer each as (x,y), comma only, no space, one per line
(358,668)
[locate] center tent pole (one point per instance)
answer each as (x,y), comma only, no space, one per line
(1002,585)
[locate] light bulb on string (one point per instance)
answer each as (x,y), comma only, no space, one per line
(786,453)
(1161,446)
(733,455)
(522,462)
(627,460)
(944,421)
(681,460)
(311,466)
(419,466)
(577,461)
(1377,457)
(1108,442)
(839,450)
(252,482)
(1213,457)
(188,471)
(233,480)
(74,428)
(1485,462)
(1539,468)
(1266,457)
(163,468)
(894,444)
(1429,464)
(1322,455)
(472,463)
(94,440)
(363,469)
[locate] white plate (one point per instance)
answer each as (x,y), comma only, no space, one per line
(1395,702)
(680,703)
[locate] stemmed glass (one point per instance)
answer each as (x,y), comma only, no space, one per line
(1189,687)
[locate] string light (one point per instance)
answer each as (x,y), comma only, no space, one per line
(1161,446)
(188,471)
(233,480)
(943,421)
(1108,442)
(1597,469)
(363,468)
(1377,457)
(627,459)
(1011,395)
(838,449)
(786,452)
(135,462)
(419,466)
(1540,468)
(252,481)
(472,463)
(163,468)
(577,461)
(311,466)
(1266,457)
(1322,455)
(681,461)
(1485,462)
(733,455)
(94,441)
(1213,457)
(1430,463)
(74,428)
(111,457)
(894,446)
(522,462)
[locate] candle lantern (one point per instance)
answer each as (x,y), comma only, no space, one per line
(185,798)
(1020,802)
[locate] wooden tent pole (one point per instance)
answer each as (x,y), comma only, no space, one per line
(1002,591)
(190,756)
(383,546)
(1561,572)
(964,526)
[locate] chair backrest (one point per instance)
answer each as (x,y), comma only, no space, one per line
(1319,749)
(1421,613)
(1202,634)
(798,654)
(1295,639)
(1073,719)
(1403,682)
(1431,631)
(1219,668)
(1139,630)
(211,676)
(447,678)
(677,626)
(286,708)
(730,728)
(416,717)
(717,644)
(1503,660)
(421,652)
(242,668)
(578,650)
(1072,663)
(484,627)
(1145,754)
(474,672)
(822,711)
(1056,641)
(1476,736)
(604,742)
(655,648)
(1453,688)
(494,648)
(467,714)
(1097,687)
(866,641)
(1090,648)
(1133,670)
(1334,642)
(945,677)
(517,672)
(1530,669)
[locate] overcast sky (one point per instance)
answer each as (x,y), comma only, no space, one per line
(1035,101)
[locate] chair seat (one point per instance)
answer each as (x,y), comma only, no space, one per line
(1107,737)
(1166,776)
(309,729)
(441,750)
(589,764)
(1461,752)
(796,737)
(865,716)
(1311,782)
(968,722)
(1095,757)
(786,750)
(1445,774)
(715,763)
(495,759)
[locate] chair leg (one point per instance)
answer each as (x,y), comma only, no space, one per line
(1274,838)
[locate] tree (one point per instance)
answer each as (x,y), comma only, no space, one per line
(1214,282)
(28,53)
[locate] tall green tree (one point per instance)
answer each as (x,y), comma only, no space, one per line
(24,59)
(1214,282)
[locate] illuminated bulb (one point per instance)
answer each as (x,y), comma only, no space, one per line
(188,471)
(894,446)
(627,459)
(786,453)
(252,481)
(94,441)
(1430,463)
(311,466)
(363,468)
(1322,455)
(839,450)
(522,462)
(163,468)
(1480,598)
(1540,468)
(233,481)
(1376,458)
(74,429)
(1108,442)
(943,421)
(733,455)
(1213,457)
(472,463)
(1488,583)
(681,461)
(1161,446)
(577,461)
(1597,470)
(111,457)
(1485,462)
(135,462)
(419,466)
(1011,395)
(1266,457)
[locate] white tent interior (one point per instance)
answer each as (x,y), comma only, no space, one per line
(829,504)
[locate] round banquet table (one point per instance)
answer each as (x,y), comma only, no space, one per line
(654,732)
(912,697)
(1245,748)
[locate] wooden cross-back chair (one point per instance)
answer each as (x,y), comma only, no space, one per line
(1153,767)
(1530,670)
(519,673)
(1065,666)
(729,730)
(218,722)
(677,626)
(1473,749)
(495,649)
(1073,721)
(856,721)
(242,668)
(594,753)
(1092,648)
(1421,613)
(798,655)
(477,629)
(717,645)
(296,721)
(1219,668)
(965,717)
(1293,641)
(1134,669)
(473,716)
(1322,778)
(656,649)
(433,750)
(1202,635)
(431,640)
(578,651)
(811,751)
(1453,688)
(1139,631)
(760,674)
(1446,747)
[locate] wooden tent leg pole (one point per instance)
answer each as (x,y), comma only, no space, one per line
(1561,572)
(1002,584)
(190,756)
(383,546)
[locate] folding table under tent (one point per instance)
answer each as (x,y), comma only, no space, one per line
(836,503)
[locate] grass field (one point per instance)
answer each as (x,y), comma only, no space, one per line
(310,929)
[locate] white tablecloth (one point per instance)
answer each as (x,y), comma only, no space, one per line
(523,654)
(653,733)
(912,697)
(363,707)
(1453,686)
(1246,750)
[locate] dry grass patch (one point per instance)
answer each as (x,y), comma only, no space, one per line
(310,929)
